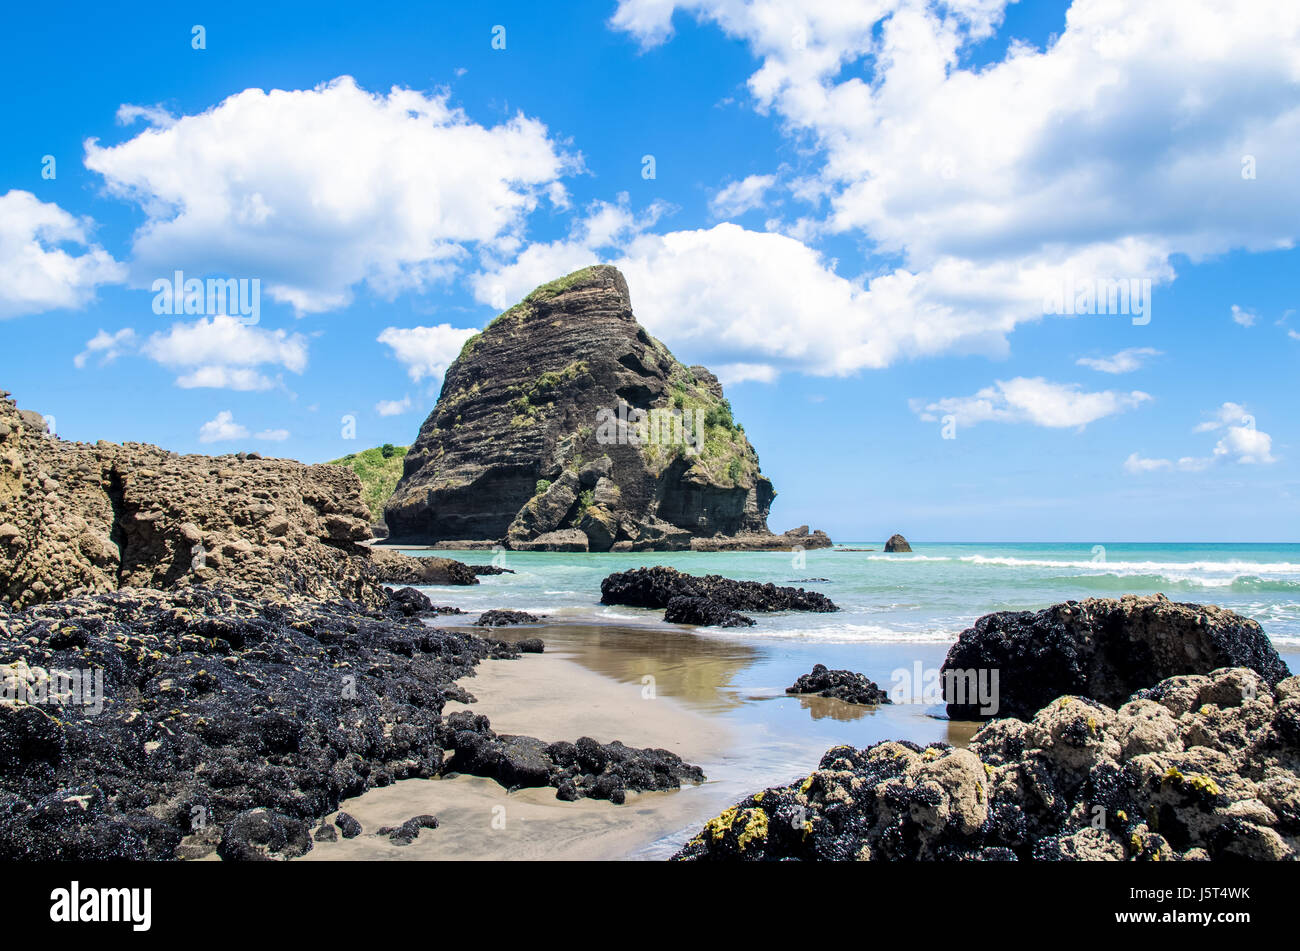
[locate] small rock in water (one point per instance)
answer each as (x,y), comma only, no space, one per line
(897,543)
(839,685)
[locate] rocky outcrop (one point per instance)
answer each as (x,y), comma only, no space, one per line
(220,723)
(703,612)
(793,540)
(564,426)
(586,769)
(1101,648)
(656,587)
(843,685)
(76,517)
(1199,767)
(897,543)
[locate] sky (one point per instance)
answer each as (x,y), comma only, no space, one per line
(898,231)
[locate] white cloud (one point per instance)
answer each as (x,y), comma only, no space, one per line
(36,274)
(1126,361)
(426,351)
(982,180)
(1036,401)
(108,346)
(1136,464)
(742,196)
(1241,442)
(222,428)
(224,352)
(393,407)
(741,296)
(1226,415)
(273,435)
(729,373)
(1245,318)
(315,191)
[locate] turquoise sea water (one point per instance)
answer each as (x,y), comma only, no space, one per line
(930,595)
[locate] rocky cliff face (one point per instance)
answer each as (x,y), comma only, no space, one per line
(76,517)
(565,425)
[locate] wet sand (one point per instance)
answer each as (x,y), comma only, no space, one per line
(716,702)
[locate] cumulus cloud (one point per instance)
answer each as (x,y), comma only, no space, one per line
(222,428)
(36,274)
(984,181)
(316,191)
(1035,400)
(742,196)
(273,435)
(393,407)
(742,296)
(224,352)
(1241,442)
(109,346)
(1126,361)
(425,351)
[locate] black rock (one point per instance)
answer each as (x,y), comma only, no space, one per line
(897,543)
(499,617)
(576,770)
(840,685)
(259,835)
(409,830)
(530,645)
(347,825)
(704,612)
(1101,648)
(655,587)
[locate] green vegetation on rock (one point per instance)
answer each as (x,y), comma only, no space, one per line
(379,469)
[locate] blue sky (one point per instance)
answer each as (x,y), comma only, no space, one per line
(857,216)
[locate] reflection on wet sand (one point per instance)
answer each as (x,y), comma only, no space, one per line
(698,670)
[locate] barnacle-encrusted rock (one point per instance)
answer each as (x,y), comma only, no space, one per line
(1198,767)
(843,685)
(1103,648)
(656,587)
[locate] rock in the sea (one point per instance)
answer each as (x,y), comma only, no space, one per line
(1199,767)
(585,769)
(704,612)
(655,587)
(565,416)
(499,617)
(77,517)
(840,685)
(1102,648)
(897,543)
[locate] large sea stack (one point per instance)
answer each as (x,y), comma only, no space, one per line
(535,443)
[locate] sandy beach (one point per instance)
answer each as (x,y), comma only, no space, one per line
(648,687)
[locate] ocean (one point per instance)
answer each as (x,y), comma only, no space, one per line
(899,614)
(930,595)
